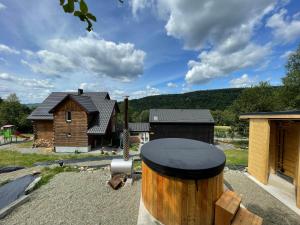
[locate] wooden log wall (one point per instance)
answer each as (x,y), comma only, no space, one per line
(174,201)
(43,129)
(259,142)
(77,127)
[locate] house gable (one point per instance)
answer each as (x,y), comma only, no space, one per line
(74,132)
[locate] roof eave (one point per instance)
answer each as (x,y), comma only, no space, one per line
(269,116)
(193,122)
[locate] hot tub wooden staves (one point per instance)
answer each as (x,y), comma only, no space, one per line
(175,201)
(182,180)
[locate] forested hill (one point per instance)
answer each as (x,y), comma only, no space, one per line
(208,99)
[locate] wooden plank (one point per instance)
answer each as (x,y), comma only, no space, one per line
(287,116)
(245,217)
(259,141)
(298,177)
(175,201)
(226,208)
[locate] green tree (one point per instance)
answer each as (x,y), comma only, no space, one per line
(13,112)
(290,94)
(260,98)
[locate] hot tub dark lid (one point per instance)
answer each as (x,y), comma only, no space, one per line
(183,158)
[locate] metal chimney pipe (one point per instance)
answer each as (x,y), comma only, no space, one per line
(126,131)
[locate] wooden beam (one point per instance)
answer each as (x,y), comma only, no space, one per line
(286,116)
(298,178)
(259,148)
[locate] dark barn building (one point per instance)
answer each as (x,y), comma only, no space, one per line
(197,124)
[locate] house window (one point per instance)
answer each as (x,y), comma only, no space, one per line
(68,116)
(69,135)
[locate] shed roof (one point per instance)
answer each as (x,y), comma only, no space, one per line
(138,127)
(180,116)
(293,114)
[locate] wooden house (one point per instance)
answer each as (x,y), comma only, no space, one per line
(140,130)
(274,147)
(75,121)
(197,124)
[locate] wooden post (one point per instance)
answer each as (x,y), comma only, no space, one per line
(298,178)
(259,148)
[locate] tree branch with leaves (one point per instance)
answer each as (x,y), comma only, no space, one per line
(80,9)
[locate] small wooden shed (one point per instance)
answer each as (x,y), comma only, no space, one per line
(196,124)
(274,147)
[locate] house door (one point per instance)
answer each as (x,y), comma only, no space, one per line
(288,147)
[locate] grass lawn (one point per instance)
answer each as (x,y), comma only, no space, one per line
(137,165)
(134,147)
(225,128)
(8,157)
(236,157)
(26,144)
(233,158)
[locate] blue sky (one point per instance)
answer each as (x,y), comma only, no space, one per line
(144,47)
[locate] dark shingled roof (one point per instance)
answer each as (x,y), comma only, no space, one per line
(138,127)
(84,101)
(180,116)
(91,101)
(101,122)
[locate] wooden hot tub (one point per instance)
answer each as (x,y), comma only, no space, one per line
(182,179)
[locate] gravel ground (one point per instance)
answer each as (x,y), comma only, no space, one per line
(261,202)
(84,198)
(79,198)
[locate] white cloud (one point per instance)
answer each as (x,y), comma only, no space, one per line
(25,82)
(50,63)
(217,63)
(243,81)
(286,54)
(2,7)
(148,91)
(223,29)
(284,28)
(137,5)
(116,60)
(205,23)
(172,85)
(7,49)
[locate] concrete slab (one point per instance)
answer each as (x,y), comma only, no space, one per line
(145,218)
(280,189)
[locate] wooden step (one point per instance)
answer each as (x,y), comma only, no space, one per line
(245,217)
(226,208)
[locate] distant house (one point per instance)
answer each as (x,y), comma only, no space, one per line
(141,130)
(195,124)
(75,120)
